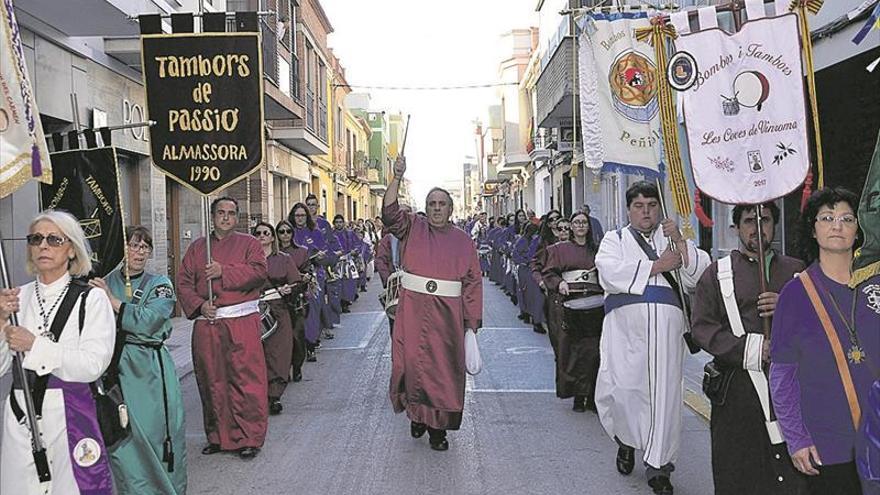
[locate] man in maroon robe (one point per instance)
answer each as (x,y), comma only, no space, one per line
(441,296)
(228,357)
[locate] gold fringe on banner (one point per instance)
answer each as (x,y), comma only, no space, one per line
(800,7)
(657,35)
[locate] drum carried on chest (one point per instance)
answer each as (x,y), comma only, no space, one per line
(268,323)
(584,314)
(581,281)
(391,297)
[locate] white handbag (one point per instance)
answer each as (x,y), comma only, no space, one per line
(473,361)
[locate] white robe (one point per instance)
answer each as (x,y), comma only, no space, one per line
(74,358)
(639,387)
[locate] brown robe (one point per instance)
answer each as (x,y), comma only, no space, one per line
(278,347)
(427,346)
(743,460)
(576,351)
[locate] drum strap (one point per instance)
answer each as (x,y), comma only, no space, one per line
(759,380)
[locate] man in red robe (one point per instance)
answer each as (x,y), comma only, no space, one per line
(441,296)
(227,354)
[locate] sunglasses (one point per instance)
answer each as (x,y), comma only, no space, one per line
(284,231)
(51,239)
(261,233)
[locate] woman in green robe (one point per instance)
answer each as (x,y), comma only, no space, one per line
(152,460)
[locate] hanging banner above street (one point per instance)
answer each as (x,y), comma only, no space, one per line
(205,91)
(745,114)
(86,186)
(618,77)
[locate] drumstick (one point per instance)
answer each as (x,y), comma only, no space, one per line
(405,134)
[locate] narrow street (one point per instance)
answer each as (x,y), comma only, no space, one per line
(338,435)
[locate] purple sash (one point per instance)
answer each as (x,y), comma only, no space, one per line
(88,455)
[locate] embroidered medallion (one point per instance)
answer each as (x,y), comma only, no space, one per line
(856,354)
(873,293)
(87,452)
(431,286)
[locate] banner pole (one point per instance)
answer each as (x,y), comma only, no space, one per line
(759,214)
(676,273)
(38,450)
(206,208)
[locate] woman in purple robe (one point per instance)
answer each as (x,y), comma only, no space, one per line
(577,334)
(306,234)
(528,293)
(825,348)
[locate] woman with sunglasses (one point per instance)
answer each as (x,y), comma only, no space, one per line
(298,311)
(155,453)
(307,234)
(825,349)
(567,275)
(62,356)
(283,282)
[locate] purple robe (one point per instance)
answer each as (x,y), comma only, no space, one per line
(314,241)
(427,349)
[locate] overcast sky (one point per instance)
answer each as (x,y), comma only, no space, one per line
(420,43)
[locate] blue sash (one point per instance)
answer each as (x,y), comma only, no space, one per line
(656,294)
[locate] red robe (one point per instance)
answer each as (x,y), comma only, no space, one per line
(227,355)
(278,347)
(427,349)
(384,260)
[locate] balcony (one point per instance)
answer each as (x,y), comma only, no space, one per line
(81,17)
(538,148)
(357,170)
(556,88)
(294,135)
(279,103)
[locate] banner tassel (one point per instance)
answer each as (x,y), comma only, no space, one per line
(704,219)
(808,190)
(36,164)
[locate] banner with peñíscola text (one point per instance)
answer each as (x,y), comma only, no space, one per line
(745,113)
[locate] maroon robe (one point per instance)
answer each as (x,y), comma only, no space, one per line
(227,355)
(278,347)
(384,259)
(427,349)
(300,257)
(577,354)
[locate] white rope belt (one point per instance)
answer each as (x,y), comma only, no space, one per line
(236,310)
(270,295)
(430,286)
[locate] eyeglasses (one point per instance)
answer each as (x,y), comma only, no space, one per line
(51,239)
(828,219)
(284,231)
(142,247)
(300,215)
(580,223)
(261,233)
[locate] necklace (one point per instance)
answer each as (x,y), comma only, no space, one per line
(46,314)
(855,354)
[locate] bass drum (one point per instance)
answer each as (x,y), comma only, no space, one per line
(584,315)
(267,320)
(392,294)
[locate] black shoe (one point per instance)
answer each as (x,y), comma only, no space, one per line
(626,459)
(211,448)
(363,289)
(275,407)
(311,357)
(591,404)
(661,485)
(438,439)
(538,329)
(248,452)
(346,310)
(522,316)
(297,377)
(580,404)
(417,430)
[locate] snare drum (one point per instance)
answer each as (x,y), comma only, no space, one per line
(580,281)
(352,271)
(335,272)
(584,315)
(268,322)
(392,294)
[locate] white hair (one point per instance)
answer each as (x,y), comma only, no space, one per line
(81,264)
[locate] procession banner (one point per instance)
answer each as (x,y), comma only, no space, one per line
(867,261)
(205,91)
(86,186)
(618,78)
(745,113)
(23,152)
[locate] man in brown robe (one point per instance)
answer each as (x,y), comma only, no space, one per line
(744,460)
(441,297)
(228,357)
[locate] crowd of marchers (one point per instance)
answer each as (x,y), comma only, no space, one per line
(274,293)
(797,412)
(794,405)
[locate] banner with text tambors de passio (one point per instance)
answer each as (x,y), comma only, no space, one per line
(205,92)
(745,113)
